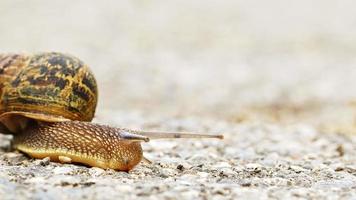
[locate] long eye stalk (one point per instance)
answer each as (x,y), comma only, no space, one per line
(167,135)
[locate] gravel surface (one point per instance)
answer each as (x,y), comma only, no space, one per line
(278,80)
(254,161)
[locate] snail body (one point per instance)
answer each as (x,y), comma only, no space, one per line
(47,101)
(82,142)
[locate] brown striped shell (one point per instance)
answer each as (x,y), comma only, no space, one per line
(50,87)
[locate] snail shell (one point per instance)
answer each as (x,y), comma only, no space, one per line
(50,87)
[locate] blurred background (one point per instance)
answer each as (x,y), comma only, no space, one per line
(279,61)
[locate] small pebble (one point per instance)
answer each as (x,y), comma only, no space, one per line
(184,166)
(43,162)
(95,171)
(227,172)
(340,150)
(297,169)
(245,183)
(167,172)
(62,170)
(11,155)
(338,166)
(180,167)
(64,180)
(254,167)
(221,191)
(238,169)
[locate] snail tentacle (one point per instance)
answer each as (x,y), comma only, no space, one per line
(132,137)
(174,135)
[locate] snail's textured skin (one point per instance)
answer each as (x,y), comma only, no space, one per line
(81,142)
(50,86)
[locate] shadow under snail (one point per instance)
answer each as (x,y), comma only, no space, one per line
(47,103)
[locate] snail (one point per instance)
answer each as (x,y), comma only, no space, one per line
(47,102)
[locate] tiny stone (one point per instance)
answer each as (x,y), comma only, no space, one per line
(166,172)
(221,191)
(24,163)
(338,167)
(95,171)
(11,155)
(62,170)
(340,150)
(180,167)
(254,167)
(245,183)
(63,180)
(238,169)
(351,169)
(187,165)
(297,169)
(43,162)
(227,172)
(88,184)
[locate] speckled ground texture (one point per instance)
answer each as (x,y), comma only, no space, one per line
(276,78)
